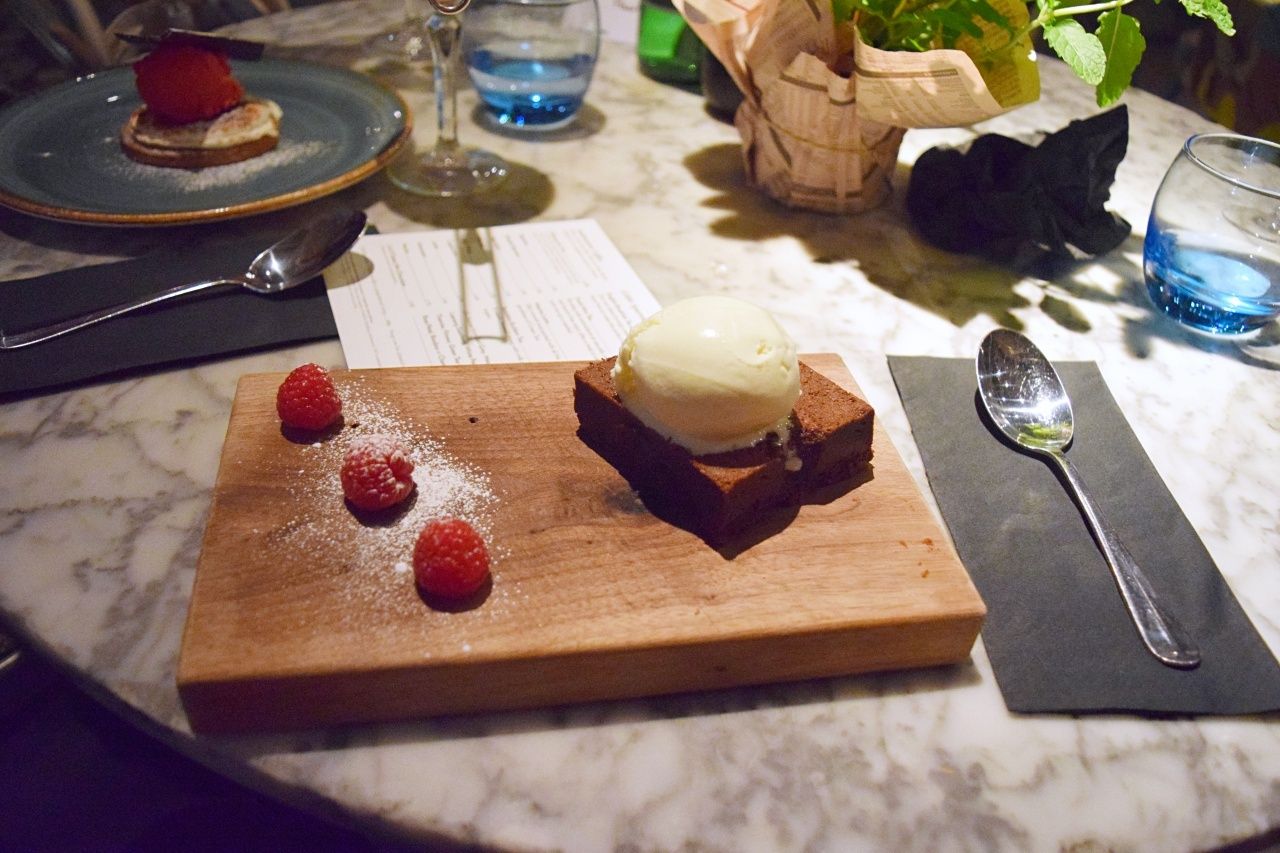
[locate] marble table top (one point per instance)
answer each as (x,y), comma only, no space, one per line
(106,490)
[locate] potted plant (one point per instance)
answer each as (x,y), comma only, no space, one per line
(1104,58)
(829,88)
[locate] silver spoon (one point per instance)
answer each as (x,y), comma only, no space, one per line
(298,257)
(1026,400)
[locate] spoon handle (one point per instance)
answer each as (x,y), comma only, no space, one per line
(53,330)
(1161,633)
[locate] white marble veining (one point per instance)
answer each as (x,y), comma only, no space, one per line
(106,488)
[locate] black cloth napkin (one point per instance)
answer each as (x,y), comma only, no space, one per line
(187,330)
(1057,633)
(1007,200)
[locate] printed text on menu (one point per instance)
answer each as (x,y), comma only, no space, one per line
(551,291)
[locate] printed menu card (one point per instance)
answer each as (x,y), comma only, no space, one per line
(546,291)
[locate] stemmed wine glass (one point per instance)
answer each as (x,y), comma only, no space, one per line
(448,168)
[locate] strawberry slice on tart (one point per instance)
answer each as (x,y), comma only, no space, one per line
(194,111)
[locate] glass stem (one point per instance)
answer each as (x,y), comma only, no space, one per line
(445,31)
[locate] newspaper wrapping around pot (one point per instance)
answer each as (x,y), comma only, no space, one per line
(816,139)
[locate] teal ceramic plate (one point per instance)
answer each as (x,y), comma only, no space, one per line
(60,154)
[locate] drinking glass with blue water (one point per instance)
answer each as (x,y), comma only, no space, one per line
(1212,253)
(531,60)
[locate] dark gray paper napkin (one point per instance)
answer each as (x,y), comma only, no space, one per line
(223,322)
(1057,633)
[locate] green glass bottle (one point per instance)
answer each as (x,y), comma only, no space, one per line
(718,89)
(667,48)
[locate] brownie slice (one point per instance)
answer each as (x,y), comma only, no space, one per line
(718,494)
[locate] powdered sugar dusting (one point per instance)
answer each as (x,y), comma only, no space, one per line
(373,553)
(215,177)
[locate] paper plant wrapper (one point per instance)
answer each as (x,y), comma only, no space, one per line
(819,140)
(805,145)
(940,88)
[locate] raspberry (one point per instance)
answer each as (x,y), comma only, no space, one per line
(377,473)
(307,399)
(450,559)
(182,83)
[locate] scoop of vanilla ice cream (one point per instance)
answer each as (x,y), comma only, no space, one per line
(711,373)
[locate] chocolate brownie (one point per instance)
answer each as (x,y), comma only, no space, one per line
(717,494)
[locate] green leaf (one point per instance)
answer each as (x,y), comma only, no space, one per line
(1078,48)
(880,8)
(957,23)
(1214,10)
(989,13)
(908,32)
(1123,44)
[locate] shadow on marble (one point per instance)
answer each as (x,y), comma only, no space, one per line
(866,687)
(955,287)
(1139,336)
(1264,349)
(588,122)
(522,196)
(1141,321)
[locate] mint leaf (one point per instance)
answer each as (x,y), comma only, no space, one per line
(988,13)
(1123,44)
(954,23)
(1079,49)
(1214,10)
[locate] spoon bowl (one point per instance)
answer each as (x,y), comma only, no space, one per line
(298,257)
(1022,392)
(303,254)
(1026,400)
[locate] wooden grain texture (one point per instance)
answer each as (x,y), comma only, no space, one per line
(300,617)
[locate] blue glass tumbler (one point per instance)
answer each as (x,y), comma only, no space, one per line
(1212,253)
(531,61)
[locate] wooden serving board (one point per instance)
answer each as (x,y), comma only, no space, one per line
(304,614)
